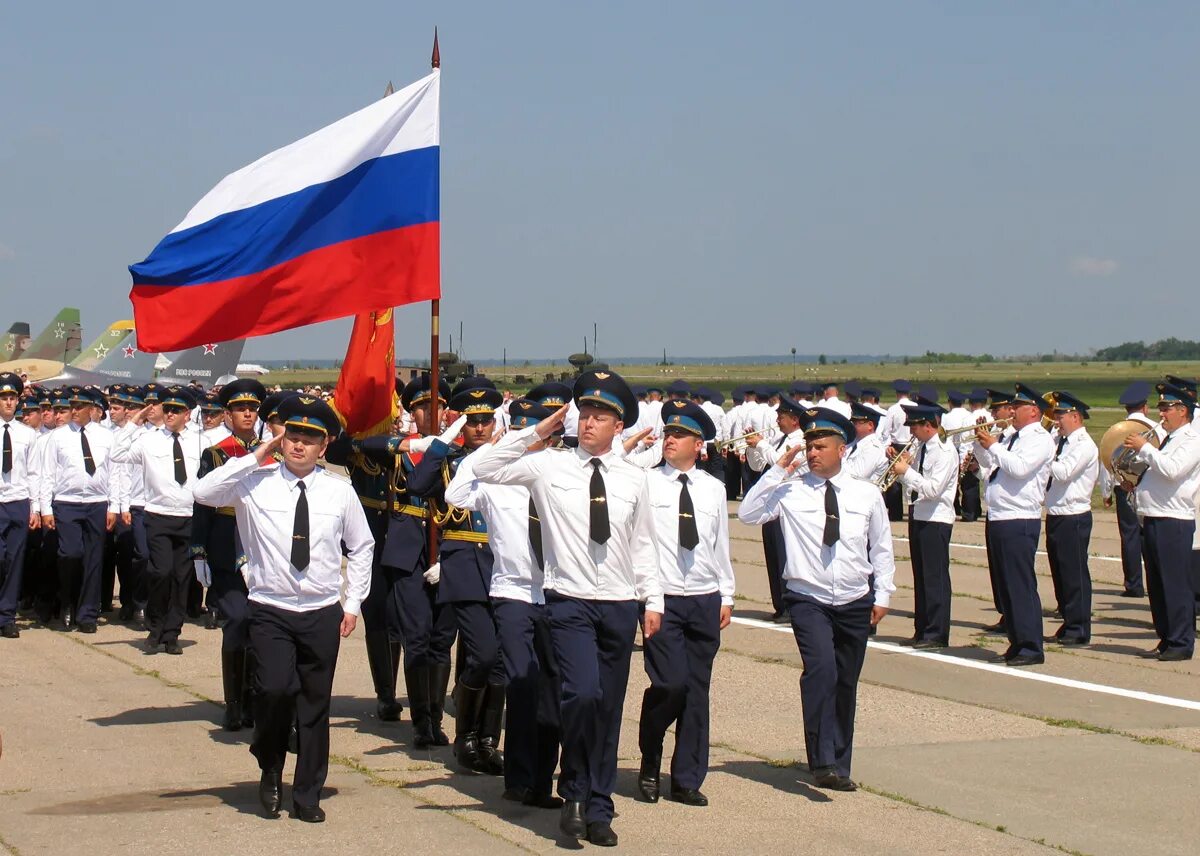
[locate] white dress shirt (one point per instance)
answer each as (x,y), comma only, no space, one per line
(625,568)
(935,479)
(717,415)
(891,427)
(264,501)
(1023,461)
(64,478)
(37,466)
(1168,488)
(865,458)
(515,571)
(153,453)
(835,403)
(706,569)
(14,485)
(1073,474)
(834,575)
(764,455)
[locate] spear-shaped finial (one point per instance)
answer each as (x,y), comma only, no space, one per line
(391,90)
(437,55)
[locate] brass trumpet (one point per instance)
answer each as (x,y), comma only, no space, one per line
(736,444)
(994,427)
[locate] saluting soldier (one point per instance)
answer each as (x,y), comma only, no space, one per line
(16,519)
(691,527)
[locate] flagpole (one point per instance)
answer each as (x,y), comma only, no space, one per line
(435,321)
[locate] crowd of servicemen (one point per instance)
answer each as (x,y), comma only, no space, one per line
(562,521)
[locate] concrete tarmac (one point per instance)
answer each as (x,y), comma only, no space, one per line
(108,750)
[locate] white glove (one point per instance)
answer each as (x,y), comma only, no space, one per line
(243,568)
(434,573)
(451,433)
(420,444)
(203,573)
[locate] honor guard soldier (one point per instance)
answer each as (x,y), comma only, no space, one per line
(1133,399)
(895,435)
(761,455)
(80,500)
(402,603)
(865,458)
(1165,502)
(295,520)
(1019,468)
(518,607)
(16,519)
(218,553)
(169,461)
(691,527)
(839,577)
(601,561)
(212,415)
(1073,475)
(464,574)
(930,475)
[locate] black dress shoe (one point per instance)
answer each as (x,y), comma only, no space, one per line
(828,778)
(309,813)
(1072,641)
(648,783)
(388,710)
(1174,655)
(125,613)
(929,644)
(270,791)
(542,800)
(10,631)
(572,822)
(601,834)
(87,627)
(1128,593)
(1026,660)
(998,627)
(173,648)
(516,794)
(688,796)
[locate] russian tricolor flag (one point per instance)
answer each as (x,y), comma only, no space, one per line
(341,222)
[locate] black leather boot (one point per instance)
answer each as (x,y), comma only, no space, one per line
(439,680)
(379,658)
(648,788)
(468,708)
(233,670)
(491,761)
(416,679)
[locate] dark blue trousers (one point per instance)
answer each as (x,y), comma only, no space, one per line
(14,527)
(139,592)
(80,527)
(1014,546)
(993,566)
(532,723)
(1131,542)
(1068,537)
(833,644)
(229,594)
(380,613)
(477,636)
(427,628)
(593,640)
(775,556)
(679,660)
(929,544)
(1168,545)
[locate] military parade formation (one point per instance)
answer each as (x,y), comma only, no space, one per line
(510,552)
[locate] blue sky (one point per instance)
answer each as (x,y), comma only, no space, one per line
(711,178)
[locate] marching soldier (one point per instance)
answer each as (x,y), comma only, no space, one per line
(692,536)
(865,457)
(16,518)
(839,575)
(1073,475)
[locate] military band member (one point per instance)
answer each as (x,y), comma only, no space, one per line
(930,474)
(895,435)
(295,520)
(47,603)
(464,570)
(865,456)
(219,553)
(531,737)
(598,541)
(761,455)
(1018,470)
(1001,407)
(970,502)
(839,576)
(169,461)
(16,518)
(691,531)
(1134,399)
(1073,475)
(80,499)
(1165,503)
(711,460)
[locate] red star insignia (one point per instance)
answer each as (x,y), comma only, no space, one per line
(129,350)
(210,349)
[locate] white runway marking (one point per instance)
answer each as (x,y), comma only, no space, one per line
(1039,552)
(948,659)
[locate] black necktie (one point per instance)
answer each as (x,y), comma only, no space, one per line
(177,451)
(1163,444)
(912,496)
(1062,441)
(535,533)
(88,463)
(7,467)
(300,530)
(598,519)
(689,537)
(833,526)
(996,472)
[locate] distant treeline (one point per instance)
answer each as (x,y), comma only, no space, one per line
(1165,349)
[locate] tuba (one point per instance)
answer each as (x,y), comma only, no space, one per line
(1116,458)
(1048,420)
